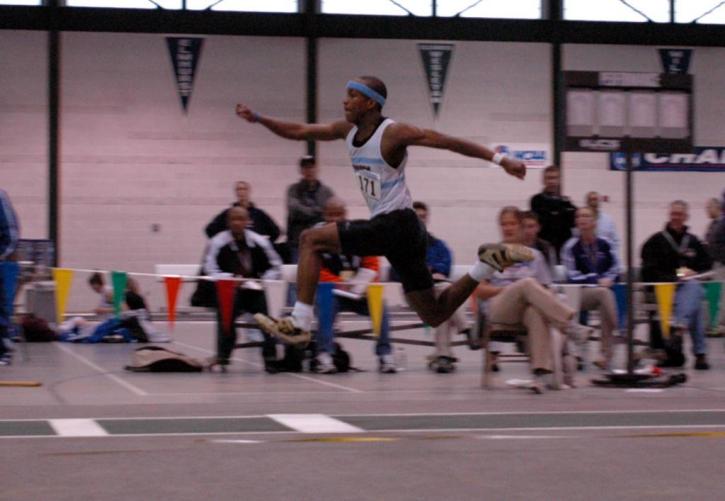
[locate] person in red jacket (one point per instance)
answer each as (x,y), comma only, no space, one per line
(351,276)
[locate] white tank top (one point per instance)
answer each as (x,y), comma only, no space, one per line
(382,185)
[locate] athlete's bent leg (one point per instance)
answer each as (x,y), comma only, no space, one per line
(436,310)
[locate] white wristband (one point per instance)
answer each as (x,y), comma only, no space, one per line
(498,158)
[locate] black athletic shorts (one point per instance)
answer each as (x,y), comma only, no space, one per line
(397,235)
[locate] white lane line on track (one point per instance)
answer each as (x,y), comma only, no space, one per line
(101,370)
(289,374)
(314,423)
(77,428)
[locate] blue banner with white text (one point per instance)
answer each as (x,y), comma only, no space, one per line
(185,53)
(702,159)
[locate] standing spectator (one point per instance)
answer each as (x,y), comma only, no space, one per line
(715,241)
(242,253)
(590,260)
(530,237)
(259,221)
(605,227)
(351,276)
(306,200)
(9,235)
(556,212)
(673,255)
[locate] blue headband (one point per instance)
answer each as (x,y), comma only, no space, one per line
(366,91)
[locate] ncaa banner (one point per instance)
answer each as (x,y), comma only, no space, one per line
(436,59)
(675,61)
(702,159)
(185,53)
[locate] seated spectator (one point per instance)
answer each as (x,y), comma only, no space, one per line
(259,221)
(517,297)
(590,260)
(604,223)
(241,253)
(674,255)
(351,274)
(105,303)
(439,259)
(715,241)
(132,325)
(530,238)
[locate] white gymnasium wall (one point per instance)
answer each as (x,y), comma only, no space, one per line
(652,190)
(496,93)
(24,127)
(131,159)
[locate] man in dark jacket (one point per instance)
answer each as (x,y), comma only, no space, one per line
(259,221)
(241,253)
(674,255)
(305,203)
(556,213)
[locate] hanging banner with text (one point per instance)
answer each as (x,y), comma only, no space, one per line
(185,53)
(702,159)
(675,61)
(436,60)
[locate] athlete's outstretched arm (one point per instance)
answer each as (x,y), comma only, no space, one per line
(409,135)
(296,131)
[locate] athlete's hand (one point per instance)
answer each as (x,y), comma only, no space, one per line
(244,112)
(514,167)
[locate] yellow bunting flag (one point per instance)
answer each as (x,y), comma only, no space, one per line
(172,292)
(375,305)
(665,294)
(63,278)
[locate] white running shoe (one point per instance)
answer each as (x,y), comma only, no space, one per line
(387,364)
(325,364)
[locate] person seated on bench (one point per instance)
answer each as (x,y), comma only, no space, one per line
(352,274)
(241,253)
(439,259)
(591,260)
(516,297)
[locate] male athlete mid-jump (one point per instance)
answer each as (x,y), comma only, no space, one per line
(378,149)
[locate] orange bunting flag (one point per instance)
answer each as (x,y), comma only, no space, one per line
(63,278)
(173,284)
(225,299)
(665,294)
(375,305)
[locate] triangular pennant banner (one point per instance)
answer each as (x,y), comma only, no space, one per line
(63,278)
(675,61)
(119,280)
(276,295)
(173,284)
(665,294)
(620,294)
(436,60)
(225,299)
(713,291)
(185,54)
(9,270)
(324,306)
(375,305)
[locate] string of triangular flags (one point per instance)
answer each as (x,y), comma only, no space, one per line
(276,291)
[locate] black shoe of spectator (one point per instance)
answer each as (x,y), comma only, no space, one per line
(673,360)
(701,363)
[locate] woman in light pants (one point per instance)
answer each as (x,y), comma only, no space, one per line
(517,298)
